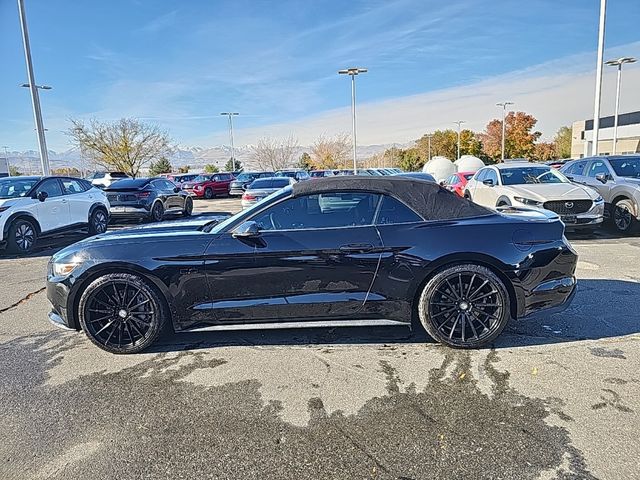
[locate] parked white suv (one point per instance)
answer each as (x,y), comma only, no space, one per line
(105,179)
(527,184)
(33,207)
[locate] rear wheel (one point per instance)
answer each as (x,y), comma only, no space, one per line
(157,212)
(22,236)
(98,221)
(208,193)
(188,207)
(122,313)
(623,217)
(464,306)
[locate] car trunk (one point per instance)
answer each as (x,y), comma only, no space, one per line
(127,196)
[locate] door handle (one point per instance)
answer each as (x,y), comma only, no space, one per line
(356,248)
(63,201)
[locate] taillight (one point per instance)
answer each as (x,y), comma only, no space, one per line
(248,196)
(143,194)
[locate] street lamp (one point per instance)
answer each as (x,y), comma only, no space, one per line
(353,71)
(504,130)
(6,158)
(618,63)
(233,150)
(459,122)
(33,87)
(598,94)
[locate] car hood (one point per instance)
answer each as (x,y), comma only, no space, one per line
(635,182)
(10,202)
(543,192)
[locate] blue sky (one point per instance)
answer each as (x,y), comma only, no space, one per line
(180,63)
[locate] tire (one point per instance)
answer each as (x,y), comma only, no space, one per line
(157,212)
(464,306)
(467,195)
(122,313)
(98,221)
(622,216)
(22,237)
(188,207)
(208,193)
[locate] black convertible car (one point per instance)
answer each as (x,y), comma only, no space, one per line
(337,251)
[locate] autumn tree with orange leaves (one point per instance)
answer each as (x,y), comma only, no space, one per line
(520,137)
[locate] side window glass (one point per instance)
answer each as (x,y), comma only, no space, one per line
(481,175)
(71,186)
(597,167)
(491,175)
(394,211)
(325,210)
(51,187)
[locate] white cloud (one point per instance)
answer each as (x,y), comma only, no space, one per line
(556,93)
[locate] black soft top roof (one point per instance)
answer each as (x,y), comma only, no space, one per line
(428,199)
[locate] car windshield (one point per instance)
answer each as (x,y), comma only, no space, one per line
(201,178)
(626,167)
(246,177)
(16,187)
(129,183)
(524,175)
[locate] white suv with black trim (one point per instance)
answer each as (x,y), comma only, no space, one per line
(528,184)
(34,207)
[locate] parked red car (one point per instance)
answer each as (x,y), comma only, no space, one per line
(209,185)
(457,182)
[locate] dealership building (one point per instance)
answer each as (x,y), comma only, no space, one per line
(628,136)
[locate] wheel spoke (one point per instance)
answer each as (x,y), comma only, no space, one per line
(139,305)
(135,327)
(473,278)
(96,299)
(487,314)
(120,334)
(479,289)
(100,319)
(473,328)
(104,327)
(99,310)
(444,304)
(135,295)
(453,327)
(478,319)
(115,327)
(443,312)
(475,299)
(453,290)
(129,332)
(141,320)
(461,293)
(462,325)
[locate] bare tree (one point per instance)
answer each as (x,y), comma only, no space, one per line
(273,154)
(125,146)
(331,152)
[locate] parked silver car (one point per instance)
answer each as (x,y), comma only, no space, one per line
(617,179)
(262,188)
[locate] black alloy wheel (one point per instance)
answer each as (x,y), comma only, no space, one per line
(188,207)
(208,193)
(157,212)
(122,313)
(464,306)
(22,236)
(98,222)
(623,219)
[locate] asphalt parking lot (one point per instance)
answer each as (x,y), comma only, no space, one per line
(556,397)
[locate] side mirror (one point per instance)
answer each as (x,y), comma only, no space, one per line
(248,229)
(570,178)
(42,196)
(602,177)
(488,182)
(176,189)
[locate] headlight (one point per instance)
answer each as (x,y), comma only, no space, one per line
(599,199)
(62,267)
(528,201)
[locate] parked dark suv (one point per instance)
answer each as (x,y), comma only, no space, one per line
(244,179)
(148,198)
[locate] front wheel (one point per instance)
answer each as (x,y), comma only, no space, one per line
(208,193)
(464,306)
(98,222)
(122,313)
(22,236)
(624,220)
(188,207)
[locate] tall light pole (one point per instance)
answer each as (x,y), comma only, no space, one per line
(504,129)
(459,122)
(230,115)
(35,98)
(618,63)
(353,71)
(6,158)
(598,95)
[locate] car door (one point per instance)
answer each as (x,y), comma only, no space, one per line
(483,194)
(174,199)
(80,200)
(594,168)
(315,257)
(575,172)
(53,212)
